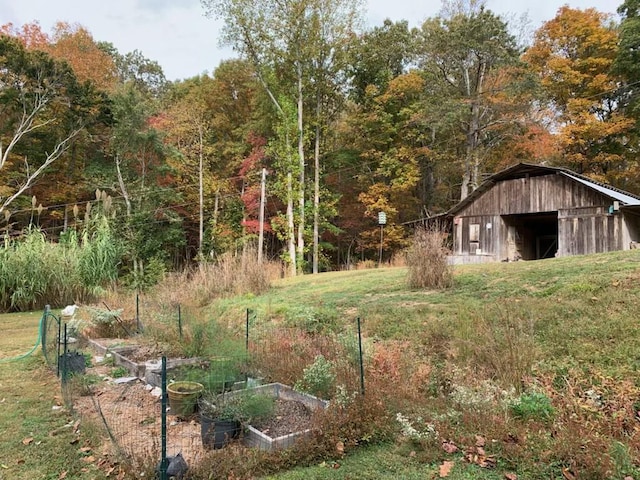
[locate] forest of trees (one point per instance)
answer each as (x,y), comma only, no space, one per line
(347,122)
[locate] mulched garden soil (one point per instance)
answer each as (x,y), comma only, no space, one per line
(290,416)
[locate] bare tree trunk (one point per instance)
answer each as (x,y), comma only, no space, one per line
(291,227)
(316,189)
(472,161)
(216,204)
(263,181)
(301,187)
(123,188)
(200,193)
(59,149)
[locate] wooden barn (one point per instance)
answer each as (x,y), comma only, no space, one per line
(530,212)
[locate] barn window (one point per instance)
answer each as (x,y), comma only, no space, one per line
(474,237)
(474,232)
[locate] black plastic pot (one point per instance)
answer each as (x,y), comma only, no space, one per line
(72,362)
(217,433)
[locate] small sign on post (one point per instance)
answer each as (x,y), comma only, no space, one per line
(382,221)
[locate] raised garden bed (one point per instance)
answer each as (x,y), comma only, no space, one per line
(266,436)
(135,358)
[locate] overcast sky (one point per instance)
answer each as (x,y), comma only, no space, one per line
(176,34)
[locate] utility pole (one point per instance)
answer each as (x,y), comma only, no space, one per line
(262,194)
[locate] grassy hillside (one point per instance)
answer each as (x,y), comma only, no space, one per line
(540,357)
(577,309)
(527,368)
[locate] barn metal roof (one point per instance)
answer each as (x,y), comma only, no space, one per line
(619,195)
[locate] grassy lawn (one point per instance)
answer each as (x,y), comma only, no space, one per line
(384,462)
(541,359)
(20,333)
(35,441)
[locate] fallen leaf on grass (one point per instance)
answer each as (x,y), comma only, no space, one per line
(510,476)
(2,465)
(566,473)
(27,441)
(63,475)
(445,468)
(481,460)
(449,447)
(85,449)
(480,441)
(89,459)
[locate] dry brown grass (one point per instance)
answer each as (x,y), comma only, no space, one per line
(231,274)
(427,262)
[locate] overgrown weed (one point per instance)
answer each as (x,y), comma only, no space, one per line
(427,261)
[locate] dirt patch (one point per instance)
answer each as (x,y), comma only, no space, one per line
(132,414)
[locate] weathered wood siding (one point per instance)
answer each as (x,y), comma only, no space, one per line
(584,223)
(492,235)
(546,193)
(589,230)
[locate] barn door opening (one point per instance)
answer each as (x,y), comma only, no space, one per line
(533,236)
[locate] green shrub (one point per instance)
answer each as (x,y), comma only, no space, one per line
(119,372)
(318,378)
(533,406)
(311,320)
(243,406)
(35,271)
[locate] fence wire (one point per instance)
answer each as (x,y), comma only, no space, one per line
(119,387)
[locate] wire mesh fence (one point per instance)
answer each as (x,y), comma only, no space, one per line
(288,373)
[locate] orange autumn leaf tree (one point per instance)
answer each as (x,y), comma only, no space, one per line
(573,54)
(73,44)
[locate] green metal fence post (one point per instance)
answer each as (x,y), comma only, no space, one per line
(180,321)
(163,461)
(246,341)
(361,361)
(58,349)
(137,312)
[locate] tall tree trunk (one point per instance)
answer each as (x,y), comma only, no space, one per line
(471,161)
(316,189)
(291,227)
(301,187)
(200,193)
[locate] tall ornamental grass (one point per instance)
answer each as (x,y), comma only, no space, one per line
(35,272)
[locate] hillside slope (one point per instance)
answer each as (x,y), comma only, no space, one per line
(541,357)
